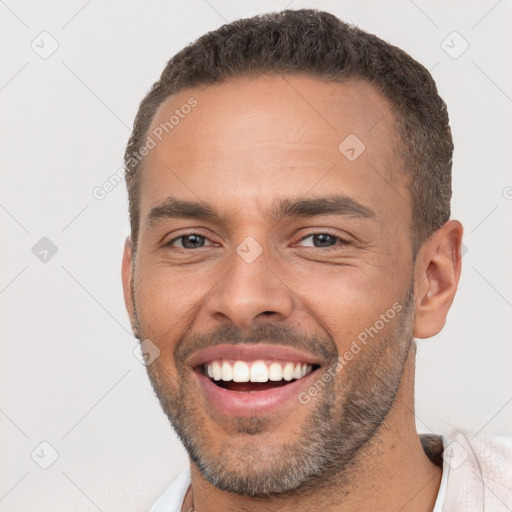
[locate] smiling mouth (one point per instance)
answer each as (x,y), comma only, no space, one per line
(254,376)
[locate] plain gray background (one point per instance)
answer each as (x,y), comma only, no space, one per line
(68,374)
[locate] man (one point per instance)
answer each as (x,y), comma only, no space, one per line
(289,179)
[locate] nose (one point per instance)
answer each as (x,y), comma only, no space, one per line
(250,292)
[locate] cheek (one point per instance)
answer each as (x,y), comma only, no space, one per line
(168,302)
(347,301)
(165,295)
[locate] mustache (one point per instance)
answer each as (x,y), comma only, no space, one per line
(271,334)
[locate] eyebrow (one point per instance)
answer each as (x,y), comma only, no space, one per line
(176,208)
(330,205)
(182,209)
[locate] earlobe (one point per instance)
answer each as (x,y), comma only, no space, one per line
(437,272)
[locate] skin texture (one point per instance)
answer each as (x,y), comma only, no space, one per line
(248,143)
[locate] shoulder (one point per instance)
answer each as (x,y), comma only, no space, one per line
(482,465)
(493,453)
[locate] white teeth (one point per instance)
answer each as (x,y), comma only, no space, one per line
(227,371)
(275,372)
(256,371)
(259,372)
(217,372)
(288,371)
(240,372)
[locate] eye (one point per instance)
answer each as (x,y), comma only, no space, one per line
(320,240)
(188,241)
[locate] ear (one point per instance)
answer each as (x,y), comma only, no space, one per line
(127,277)
(436,275)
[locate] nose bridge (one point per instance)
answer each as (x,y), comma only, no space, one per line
(250,287)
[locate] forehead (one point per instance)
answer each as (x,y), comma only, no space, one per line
(256,138)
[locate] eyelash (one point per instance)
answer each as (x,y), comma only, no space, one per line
(184,235)
(342,241)
(323,232)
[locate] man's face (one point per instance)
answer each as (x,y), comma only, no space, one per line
(268,280)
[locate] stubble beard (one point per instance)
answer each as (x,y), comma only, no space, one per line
(347,414)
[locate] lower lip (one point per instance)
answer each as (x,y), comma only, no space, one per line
(245,404)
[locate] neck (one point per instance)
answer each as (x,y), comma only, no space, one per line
(390,473)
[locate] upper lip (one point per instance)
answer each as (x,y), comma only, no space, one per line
(252,352)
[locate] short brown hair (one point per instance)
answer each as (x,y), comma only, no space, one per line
(318,44)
